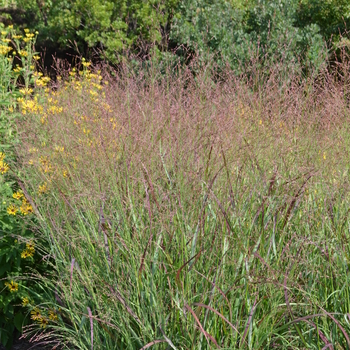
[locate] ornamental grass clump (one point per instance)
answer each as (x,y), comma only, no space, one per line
(185,213)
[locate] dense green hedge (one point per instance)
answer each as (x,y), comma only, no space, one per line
(235,30)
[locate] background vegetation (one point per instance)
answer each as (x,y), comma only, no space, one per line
(300,31)
(188,190)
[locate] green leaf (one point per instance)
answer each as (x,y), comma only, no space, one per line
(4,268)
(18,321)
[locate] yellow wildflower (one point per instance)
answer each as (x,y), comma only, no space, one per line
(26,30)
(4,50)
(12,210)
(26,91)
(30,246)
(36,314)
(25,301)
(23,52)
(25,208)
(2,156)
(53,315)
(4,168)
(86,64)
(18,195)
(27,254)
(43,321)
(59,148)
(13,286)
(43,188)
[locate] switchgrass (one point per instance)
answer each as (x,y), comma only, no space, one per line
(187,214)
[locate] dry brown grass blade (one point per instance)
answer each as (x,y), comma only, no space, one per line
(123,302)
(338,324)
(262,208)
(91,328)
(154,342)
(292,204)
(223,211)
(177,278)
(328,345)
(71,276)
(150,230)
(150,184)
(232,198)
(272,183)
(219,290)
(219,314)
(206,334)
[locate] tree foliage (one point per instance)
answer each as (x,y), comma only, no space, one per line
(233,30)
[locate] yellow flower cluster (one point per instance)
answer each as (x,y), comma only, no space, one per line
(25,301)
(30,105)
(46,166)
(43,321)
(12,286)
(54,110)
(12,210)
(90,81)
(4,50)
(85,64)
(39,79)
(18,195)
(25,208)
(29,251)
(35,314)
(4,167)
(17,69)
(53,315)
(54,160)
(23,53)
(43,188)
(26,91)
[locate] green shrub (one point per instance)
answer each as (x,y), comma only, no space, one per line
(235,32)
(20,252)
(111,27)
